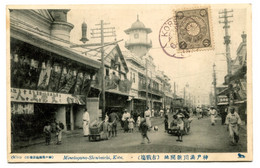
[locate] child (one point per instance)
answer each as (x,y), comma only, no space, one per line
(131,124)
(59,128)
(47,131)
(166,123)
(144,128)
(180,125)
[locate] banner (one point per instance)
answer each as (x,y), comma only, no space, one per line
(34,96)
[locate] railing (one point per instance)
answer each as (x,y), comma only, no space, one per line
(142,87)
(115,83)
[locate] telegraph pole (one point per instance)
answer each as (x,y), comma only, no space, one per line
(224,15)
(95,34)
(98,33)
(215,84)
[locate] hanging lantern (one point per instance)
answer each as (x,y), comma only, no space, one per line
(43,65)
(32,63)
(36,63)
(55,66)
(84,32)
(64,71)
(80,74)
(16,58)
(75,73)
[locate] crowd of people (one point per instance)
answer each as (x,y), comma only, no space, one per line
(133,121)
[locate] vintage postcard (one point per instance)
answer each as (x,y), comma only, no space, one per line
(129,83)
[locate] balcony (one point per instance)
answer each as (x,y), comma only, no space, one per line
(113,84)
(142,87)
(146,44)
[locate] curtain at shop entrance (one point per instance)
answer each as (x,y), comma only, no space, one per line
(26,126)
(139,106)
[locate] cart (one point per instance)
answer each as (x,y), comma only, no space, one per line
(95,131)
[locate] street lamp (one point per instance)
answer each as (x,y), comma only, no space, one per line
(84,27)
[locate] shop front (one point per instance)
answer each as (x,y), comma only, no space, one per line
(45,86)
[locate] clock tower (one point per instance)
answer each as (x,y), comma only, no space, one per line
(138,42)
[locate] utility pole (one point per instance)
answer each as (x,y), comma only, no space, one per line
(224,15)
(99,33)
(214,84)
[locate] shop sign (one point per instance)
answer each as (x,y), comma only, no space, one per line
(34,96)
(222,99)
(22,108)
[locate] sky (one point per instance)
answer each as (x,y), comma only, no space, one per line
(196,69)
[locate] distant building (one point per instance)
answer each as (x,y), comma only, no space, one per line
(142,72)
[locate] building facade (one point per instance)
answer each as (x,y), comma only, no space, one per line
(149,87)
(236,92)
(49,81)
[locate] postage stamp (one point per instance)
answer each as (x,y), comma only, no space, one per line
(193,29)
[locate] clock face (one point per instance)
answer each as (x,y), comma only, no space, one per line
(136,35)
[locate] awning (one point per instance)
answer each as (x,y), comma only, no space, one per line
(117,92)
(224,103)
(240,102)
(223,92)
(41,41)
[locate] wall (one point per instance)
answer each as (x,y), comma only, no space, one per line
(93,108)
(78,116)
(61,115)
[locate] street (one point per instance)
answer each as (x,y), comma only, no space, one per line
(202,138)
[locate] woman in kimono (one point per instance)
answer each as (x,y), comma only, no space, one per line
(86,122)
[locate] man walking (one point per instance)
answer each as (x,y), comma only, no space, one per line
(86,121)
(212,113)
(113,118)
(147,116)
(233,122)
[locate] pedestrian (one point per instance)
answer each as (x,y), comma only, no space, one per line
(59,128)
(47,132)
(161,113)
(113,118)
(233,122)
(135,115)
(147,116)
(166,124)
(199,112)
(104,134)
(86,122)
(223,114)
(144,129)
(180,127)
(213,114)
(125,118)
(138,121)
(152,113)
(131,124)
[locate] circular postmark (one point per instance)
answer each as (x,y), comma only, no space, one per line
(167,38)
